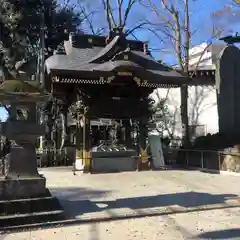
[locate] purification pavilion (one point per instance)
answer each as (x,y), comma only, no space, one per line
(109,77)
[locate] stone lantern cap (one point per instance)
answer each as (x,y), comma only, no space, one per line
(24,96)
(21,91)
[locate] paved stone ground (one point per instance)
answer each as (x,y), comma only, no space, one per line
(170,204)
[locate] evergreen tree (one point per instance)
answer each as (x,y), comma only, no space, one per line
(20,23)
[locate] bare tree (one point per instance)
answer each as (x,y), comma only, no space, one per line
(174,22)
(165,118)
(88,15)
(199,104)
(117,16)
(201,100)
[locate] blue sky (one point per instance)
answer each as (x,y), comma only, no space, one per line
(201,23)
(200,19)
(3,114)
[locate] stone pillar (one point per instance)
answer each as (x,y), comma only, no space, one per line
(143,132)
(86,142)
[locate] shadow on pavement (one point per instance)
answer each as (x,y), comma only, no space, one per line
(77,193)
(221,234)
(79,202)
(185,199)
(82,201)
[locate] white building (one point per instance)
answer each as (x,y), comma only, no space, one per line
(202,97)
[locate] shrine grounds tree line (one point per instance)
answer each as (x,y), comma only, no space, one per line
(168,21)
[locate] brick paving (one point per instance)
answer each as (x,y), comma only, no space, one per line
(169,204)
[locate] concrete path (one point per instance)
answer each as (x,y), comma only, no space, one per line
(150,205)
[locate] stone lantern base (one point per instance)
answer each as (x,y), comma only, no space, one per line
(27,201)
(22,187)
(24,198)
(22,179)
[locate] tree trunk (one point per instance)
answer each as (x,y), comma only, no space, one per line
(184,88)
(184,115)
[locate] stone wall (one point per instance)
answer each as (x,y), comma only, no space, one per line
(228,160)
(228,85)
(231,163)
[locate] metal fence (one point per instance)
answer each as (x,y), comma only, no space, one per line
(55,157)
(206,159)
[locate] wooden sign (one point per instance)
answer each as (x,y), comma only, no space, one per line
(124,74)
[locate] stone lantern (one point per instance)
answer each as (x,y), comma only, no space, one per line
(22,178)
(22,185)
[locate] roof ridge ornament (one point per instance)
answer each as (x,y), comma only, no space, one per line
(72,38)
(107,52)
(117,31)
(60,50)
(128,48)
(231,39)
(145,48)
(124,52)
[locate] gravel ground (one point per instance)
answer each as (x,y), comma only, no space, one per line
(152,205)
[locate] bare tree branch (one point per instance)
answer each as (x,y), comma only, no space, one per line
(187,36)
(87,18)
(178,41)
(140,25)
(160,16)
(127,11)
(119,7)
(109,14)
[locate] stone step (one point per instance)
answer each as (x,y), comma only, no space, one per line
(24,206)
(30,218)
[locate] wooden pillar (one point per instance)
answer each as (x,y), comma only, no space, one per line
(128,139)
(143,132)
(86,142)
(79,144)
(120,138)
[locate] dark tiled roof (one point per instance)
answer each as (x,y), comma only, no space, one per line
(89,54)
(216,50)
(75,61)
(101,56)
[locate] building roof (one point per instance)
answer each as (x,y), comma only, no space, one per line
(90,57)
(202,63)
